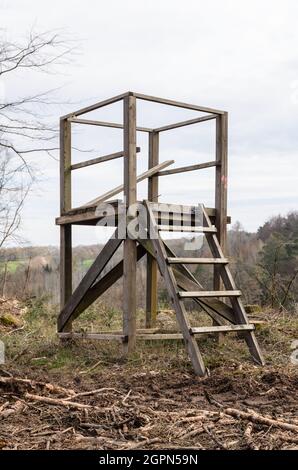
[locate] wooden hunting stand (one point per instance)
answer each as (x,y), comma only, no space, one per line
(179,280)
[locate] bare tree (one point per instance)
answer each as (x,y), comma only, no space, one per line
(23,128)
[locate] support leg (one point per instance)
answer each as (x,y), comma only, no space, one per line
(65,268)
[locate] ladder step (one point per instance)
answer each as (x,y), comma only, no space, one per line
(220,329)
(186,228)
(197,261)
(209,293)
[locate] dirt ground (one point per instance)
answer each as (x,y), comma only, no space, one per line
(81,395)
(150,410)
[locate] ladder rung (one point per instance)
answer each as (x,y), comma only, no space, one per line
(210,293)
(197,261)
(220,329)
(186,228)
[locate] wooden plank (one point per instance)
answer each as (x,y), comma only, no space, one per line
(98,288)
(239,311)
(93,107)
(96,336)
(170,282)
(221,182)
(159,336)
(65,205)
(121,187)
(186,281)
(152,269)
(91,215)
(178,104)
(115,125)
(184,169)
(220,329)
(104,158)
(197,260)
(129,251)
(186,123)
(90,277)
(208,293)
(185,228)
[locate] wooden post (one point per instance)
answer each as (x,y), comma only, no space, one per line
(221,180)
(129,251)
(65,205)
(152,269)
(221,183)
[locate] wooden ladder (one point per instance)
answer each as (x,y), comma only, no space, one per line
(168,268)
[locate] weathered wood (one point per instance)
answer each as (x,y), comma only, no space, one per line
(220,329)
(152,269)
(184,169)
(186,281)
(129,251)
(221,182)
(104,158)
(228,281)
(209,293)
(197,260)
(91,215)
(100,336)
(190,343)
(186,123)
(93,107)
(177,104)
(121,187)
(159,336)
(115,125)
(99,287)
(65,205)
(185,228)
(94,271)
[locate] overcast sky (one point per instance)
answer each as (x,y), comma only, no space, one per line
(238,56)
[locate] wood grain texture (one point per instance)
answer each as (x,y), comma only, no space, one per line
(152,269)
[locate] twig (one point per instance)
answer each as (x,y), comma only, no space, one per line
(93,392)
(248,437)
(83,372)
(222,446)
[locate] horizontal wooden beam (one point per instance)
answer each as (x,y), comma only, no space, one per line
(159,336)
(101,336)
(208,293)
(197,260)
(189,122)
(185,228)
(99,104)
(178,104)
(115,125)
(184,169)
(104,158)
(120,188)
(220,329)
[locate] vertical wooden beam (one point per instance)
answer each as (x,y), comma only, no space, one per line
(152,269)
(129,250)
(65,205)
(221,181)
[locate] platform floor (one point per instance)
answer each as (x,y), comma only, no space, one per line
(92,215)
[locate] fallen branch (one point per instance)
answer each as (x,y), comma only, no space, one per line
(33,384)
(259,419)
(58,401)
(248,437)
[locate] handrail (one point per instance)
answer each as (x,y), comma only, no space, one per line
(147,174)
(104,158)
(183,169)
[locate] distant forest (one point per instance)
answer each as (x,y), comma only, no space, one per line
(264,264)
